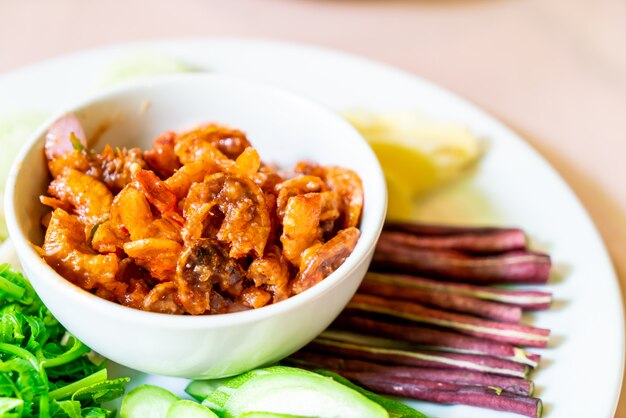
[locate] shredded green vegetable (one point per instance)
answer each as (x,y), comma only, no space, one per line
(45,372)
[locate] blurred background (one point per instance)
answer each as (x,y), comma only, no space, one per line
(553,70)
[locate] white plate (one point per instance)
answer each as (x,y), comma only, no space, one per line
(581,373)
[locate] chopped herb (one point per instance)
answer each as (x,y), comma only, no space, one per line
(78,146)
(44,371)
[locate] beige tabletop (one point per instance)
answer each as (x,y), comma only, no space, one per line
(554,70)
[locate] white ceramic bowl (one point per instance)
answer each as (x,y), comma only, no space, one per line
(285,129)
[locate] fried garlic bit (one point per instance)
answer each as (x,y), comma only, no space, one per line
(196,225)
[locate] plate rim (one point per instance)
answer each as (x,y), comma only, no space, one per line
(339,54)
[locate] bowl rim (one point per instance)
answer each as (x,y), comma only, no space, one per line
(28,255)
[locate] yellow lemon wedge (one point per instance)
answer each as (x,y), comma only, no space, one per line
(417,154)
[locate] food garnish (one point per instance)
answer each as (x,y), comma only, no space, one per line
(417,154)
(44,371)
(196,225)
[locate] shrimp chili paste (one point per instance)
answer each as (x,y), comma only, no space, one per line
(196,225)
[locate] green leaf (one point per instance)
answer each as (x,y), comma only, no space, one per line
(98,413)
(11,407)
(102,391)
(25,379)
(76,350)
(15,288)
(69,409)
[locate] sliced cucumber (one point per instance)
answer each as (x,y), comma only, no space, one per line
(147,402)
(189,409)
(287,390)
(269,415)
(200,389)
(394,408)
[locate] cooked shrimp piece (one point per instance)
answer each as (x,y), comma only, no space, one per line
(66,252)
(162,157)
(193,144)
(246,226)
(203,265)
(132,216)
(55,203)
(267,179)
(105,239)
(202,217)
(214,145)
(115,167)
(200,209)
(138,283)
(162,299)
(131,213)
(275,223)
(79,160)
(253,297)
(271,272)
(310,168)
(135,294)
(300,225)
(89,197)
(349,187)
(243,218)
(230,142)
(330,206)
(343,181)
(321,260)
(180,182)
(295,186)
(157,255)
(248,163)
(158,194)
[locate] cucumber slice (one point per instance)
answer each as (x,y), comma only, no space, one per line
(200,389)
(394,408)
(269,415)
(287,390)
(189,409)
(147,401)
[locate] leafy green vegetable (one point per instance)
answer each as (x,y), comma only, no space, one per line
(44,371)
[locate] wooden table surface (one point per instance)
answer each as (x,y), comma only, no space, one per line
(554,70)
